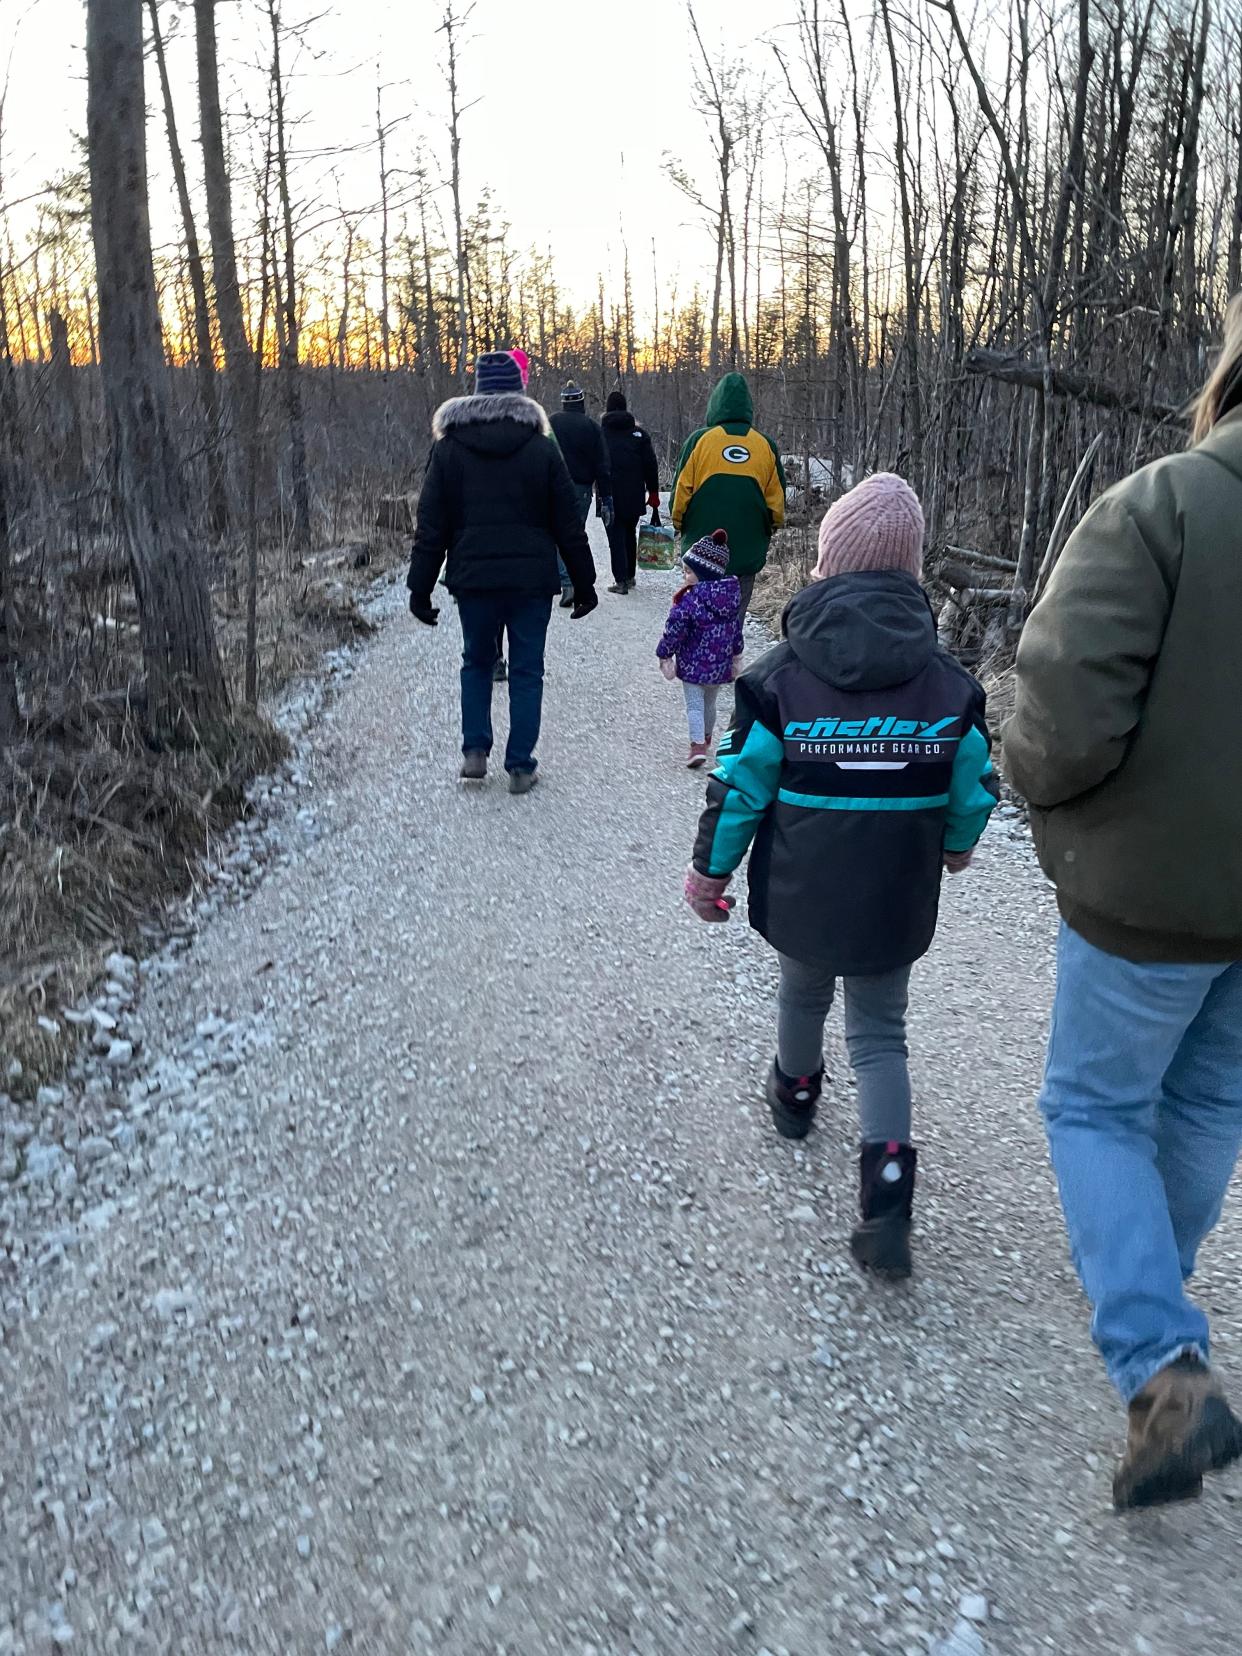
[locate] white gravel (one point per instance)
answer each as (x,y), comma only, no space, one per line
(426,1276)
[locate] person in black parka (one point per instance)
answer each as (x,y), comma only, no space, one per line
(499,502)
(635,483)
(586,455)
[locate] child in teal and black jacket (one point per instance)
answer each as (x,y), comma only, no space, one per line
(859,766)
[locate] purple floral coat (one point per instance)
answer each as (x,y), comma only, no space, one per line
(704,632)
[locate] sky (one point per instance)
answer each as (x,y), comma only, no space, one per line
(578,101)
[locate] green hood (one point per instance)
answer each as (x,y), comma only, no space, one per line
(731,402)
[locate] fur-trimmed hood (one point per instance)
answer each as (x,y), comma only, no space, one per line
(494,424)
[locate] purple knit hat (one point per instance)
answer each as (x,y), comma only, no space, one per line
(877,525)
(709,556)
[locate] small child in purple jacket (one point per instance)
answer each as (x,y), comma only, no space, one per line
(703,637)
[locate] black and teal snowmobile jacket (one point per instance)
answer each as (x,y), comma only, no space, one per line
(858,755)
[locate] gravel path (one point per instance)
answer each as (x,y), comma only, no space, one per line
(437,1284)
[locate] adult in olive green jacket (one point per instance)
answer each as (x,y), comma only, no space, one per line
(729,476)
(1127,741)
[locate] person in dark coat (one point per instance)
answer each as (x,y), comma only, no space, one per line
(499,503)
(635,483)
(859,767)
(586,455)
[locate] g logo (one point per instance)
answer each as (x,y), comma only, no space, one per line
(735,454)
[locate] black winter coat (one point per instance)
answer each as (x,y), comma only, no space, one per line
(582,444)
(635,470)
(498,501)
(859,754)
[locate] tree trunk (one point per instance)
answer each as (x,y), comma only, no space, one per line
(385,321)
(204,349)
(450,28)
(10,712)
(186,693)
(913,285)
(713,358)
(220,212)
(254,403)
(65,422)
(291,371)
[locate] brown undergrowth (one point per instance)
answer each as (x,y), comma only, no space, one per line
(100,832)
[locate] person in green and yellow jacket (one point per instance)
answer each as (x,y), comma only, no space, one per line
(729,477)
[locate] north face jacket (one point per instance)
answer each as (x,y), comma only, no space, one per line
(729,477)
(632,460)
(858,755)
(586,454)
(1124,738)
(498,501)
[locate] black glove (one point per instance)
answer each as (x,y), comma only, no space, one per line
(585,600)
(422,609)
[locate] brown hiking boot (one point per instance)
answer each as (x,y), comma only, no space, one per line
(1181,1426)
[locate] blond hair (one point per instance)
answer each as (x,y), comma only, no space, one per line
(1205,410)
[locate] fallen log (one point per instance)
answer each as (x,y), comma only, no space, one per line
(989,560)
(1015,370)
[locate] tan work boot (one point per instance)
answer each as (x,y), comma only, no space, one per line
(1181,1426)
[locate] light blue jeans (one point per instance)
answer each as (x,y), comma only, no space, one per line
(1142,1100)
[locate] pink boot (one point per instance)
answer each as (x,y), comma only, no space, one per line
(698,755)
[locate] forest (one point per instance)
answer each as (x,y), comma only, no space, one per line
(987,247)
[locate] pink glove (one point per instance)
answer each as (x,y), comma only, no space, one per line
(669,668)
(706,895)
(957,862)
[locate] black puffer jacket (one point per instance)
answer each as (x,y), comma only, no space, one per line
(859,754)
(582,444)
(498,501)
(632,460)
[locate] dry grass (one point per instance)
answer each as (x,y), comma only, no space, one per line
(98,832)
(790,561)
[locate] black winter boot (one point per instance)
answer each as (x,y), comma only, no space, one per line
(881,1239)
(793,1101)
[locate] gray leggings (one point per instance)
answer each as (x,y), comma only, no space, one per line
(875,1037)
(701,710)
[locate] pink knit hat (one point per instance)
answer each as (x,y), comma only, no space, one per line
(877,525)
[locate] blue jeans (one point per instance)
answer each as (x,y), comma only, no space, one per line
(1142,1100)
(524,616)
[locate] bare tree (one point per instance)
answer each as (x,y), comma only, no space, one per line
(300,533)
(719,90)
(204,348)
(451,27)
(912,258)
(225,284)
(186,694)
